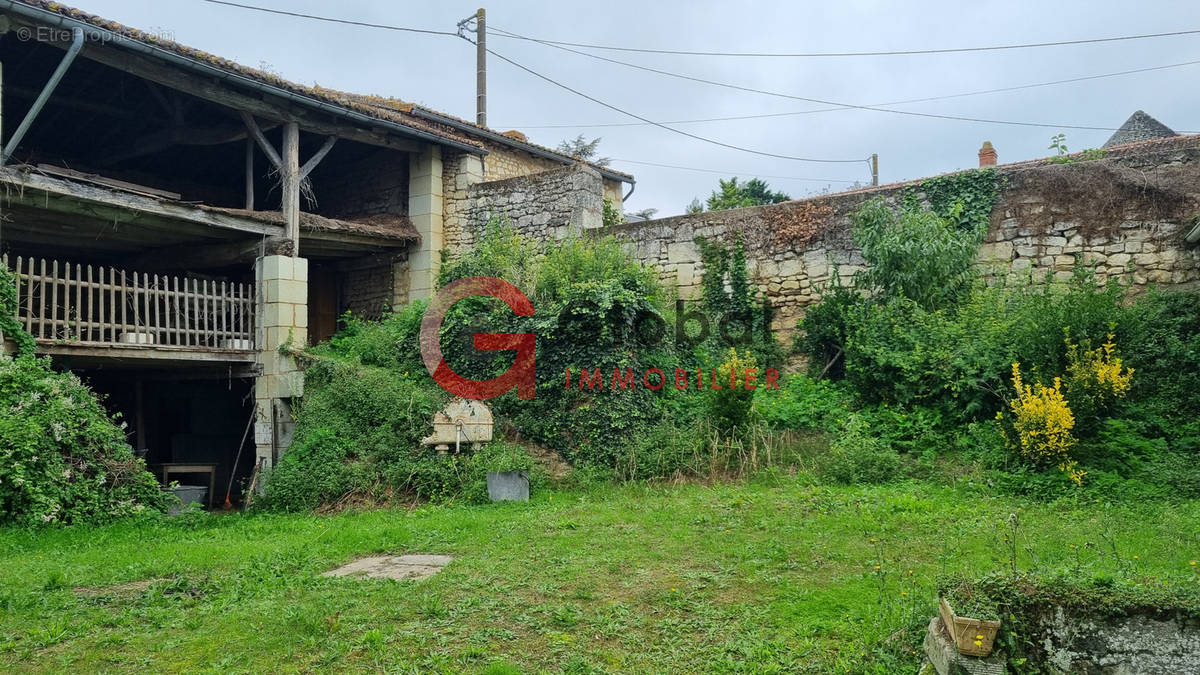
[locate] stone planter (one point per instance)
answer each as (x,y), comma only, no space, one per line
(187,494)
(134,338)
(965,631)
(508,486)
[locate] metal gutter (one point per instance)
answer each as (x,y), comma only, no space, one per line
(512,142)
(40,102)
(106,36)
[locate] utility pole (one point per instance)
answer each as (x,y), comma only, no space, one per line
(874,169)
(480,68)
(480,19)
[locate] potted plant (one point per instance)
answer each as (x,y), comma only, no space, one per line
(507,469)
(971,617)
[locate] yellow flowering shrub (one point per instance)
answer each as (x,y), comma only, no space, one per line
(1042,422)
(1095,379)
(729,406)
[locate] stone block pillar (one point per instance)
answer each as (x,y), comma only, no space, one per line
(425,199)
(282,320)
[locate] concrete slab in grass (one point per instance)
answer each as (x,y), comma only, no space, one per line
(398,567)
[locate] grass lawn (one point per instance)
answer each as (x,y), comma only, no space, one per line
(773,575)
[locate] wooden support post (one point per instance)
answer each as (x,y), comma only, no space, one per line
(139,414)
(249,174)
(290,175)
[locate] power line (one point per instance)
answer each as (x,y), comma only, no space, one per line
(834,109)
(530,71)
(347,22)
(734,173)
(837,105)
(897,52)
(660,124)
(806,98)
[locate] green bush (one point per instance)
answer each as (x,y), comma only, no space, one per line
(858,455)
(358,432)
(915,254)
(803,403)
(62,458)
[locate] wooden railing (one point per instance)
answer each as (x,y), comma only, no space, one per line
(81,303)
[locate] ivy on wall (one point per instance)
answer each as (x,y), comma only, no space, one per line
(965,198)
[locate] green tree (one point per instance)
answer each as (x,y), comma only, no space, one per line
(915,254)
(734,195)
(583,149)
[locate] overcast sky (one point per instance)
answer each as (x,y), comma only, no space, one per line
(439,72)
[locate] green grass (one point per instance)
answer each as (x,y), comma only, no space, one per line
(775,575)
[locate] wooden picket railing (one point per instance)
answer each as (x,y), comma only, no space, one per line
(104,305)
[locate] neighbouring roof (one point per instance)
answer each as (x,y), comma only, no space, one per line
(1139,127)
(512,138)
(418,118)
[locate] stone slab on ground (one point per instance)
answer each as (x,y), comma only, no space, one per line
(398,567)
(946,660)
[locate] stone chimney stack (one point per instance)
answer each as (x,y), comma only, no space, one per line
(987,155)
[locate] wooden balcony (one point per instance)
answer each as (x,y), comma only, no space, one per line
(78,310)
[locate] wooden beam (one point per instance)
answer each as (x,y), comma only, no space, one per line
(168,138)
(57,99)
(212,89)
(67,196)
(191,256)
(316,158)
(257,134)
(249,174)
(147,353)
(107,182)
(289,171)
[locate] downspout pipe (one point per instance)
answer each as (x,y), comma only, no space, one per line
(632,186)
(67,60)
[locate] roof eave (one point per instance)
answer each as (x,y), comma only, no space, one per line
(106,36)
(512,142)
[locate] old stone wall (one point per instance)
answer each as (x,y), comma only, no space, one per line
(504,161)
(372,184)
(547,205)
(368,289)
(1127,213)
(508,162)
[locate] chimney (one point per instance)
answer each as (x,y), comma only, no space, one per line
(987,155)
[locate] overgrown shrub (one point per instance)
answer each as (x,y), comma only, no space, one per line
(915,254)
(802,402)
(358,432)
(62,458)
(858,455)
(729,407)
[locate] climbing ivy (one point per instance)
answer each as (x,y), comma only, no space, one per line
(965,198)
(10,327)
(715,257)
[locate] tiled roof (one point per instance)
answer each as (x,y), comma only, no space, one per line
(1139,127)
(381,107)
(351,102)
(1186,142)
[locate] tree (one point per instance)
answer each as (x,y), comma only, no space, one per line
(644,214)
(694,207)
(734,195)
(583,149)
